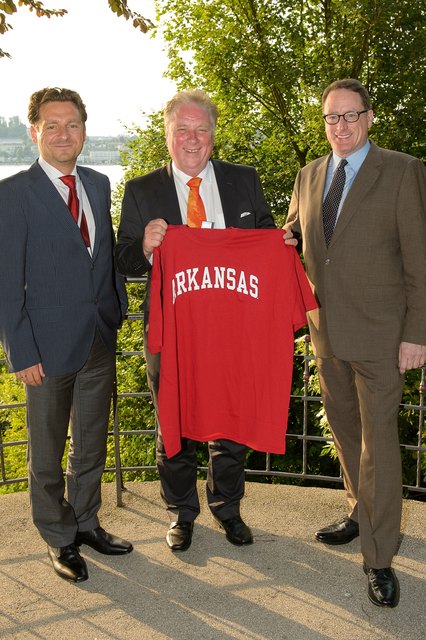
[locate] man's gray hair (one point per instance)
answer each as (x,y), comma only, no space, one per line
(188,96)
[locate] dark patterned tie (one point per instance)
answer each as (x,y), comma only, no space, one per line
(74,206)
(330,206)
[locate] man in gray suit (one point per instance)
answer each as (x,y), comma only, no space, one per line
(364,244)
(232,197)
(61,305)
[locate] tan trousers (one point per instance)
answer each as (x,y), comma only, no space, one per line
(361,400)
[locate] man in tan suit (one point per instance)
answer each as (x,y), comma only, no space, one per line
(365,253)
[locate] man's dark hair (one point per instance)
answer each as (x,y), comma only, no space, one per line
(54,94)
(352,85)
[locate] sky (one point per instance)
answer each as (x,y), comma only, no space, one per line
(117,70)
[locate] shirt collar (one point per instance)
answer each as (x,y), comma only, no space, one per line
(205,174)
(356,159)
(52,172)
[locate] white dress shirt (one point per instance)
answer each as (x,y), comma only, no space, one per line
(355,161)
(209,193)
(54,175)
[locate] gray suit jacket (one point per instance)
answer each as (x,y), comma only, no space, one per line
(154,196)
(371,281)
(53,295)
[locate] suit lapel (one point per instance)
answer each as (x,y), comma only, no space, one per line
(228,195)
(364,181)
(318,179)
(92,192)
(46,192)
(167,196)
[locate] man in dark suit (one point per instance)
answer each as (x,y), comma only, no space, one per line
(368,271)
(61,305)
(231,197)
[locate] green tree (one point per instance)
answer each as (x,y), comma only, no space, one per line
(266,62)
(12,429)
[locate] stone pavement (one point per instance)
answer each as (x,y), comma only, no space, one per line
(285,586)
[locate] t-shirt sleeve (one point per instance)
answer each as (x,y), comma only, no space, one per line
(305,299)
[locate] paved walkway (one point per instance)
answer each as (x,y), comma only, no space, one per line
(285,586)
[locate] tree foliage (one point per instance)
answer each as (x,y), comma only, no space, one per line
(119,7)
(266,63)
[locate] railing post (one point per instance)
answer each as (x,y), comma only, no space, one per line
(307,339)
(3,477)
(422,390)
(118,472)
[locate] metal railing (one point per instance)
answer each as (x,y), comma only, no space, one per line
(307,439)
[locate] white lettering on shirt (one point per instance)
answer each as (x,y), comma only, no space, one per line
(227,278)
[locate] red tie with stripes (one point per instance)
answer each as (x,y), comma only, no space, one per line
(74,207)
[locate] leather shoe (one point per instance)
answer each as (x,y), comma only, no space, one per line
(179,535)
(68,563)
(236,530)
(383,586)
(340,532)
(103,542)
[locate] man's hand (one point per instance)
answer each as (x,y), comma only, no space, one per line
(411,356)
(289,238)
(32,375)
(154,234)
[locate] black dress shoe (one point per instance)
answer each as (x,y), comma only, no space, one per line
(383,586)
(236,530)
(68,563)
(179,535)
(103,542)
(340,532)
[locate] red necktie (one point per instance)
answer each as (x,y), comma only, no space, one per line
(195,213)
(74,207)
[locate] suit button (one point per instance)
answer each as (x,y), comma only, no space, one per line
(328,261)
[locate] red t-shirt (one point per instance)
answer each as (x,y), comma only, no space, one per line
(225,304)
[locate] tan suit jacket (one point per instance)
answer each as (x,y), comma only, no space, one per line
(371,281)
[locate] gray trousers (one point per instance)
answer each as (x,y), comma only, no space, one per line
(78,402)
(178,475)
(361,400)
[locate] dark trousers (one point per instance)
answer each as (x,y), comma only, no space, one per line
(361,400)
(178,475)
(79,402)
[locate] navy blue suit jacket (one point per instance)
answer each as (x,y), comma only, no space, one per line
(53,294)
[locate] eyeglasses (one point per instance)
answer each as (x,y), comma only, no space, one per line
(349,116)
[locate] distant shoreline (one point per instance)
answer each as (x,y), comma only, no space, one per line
(115,172)
(81,164)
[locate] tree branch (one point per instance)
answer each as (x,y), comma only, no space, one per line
(119,7)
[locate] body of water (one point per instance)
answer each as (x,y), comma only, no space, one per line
(113,171)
